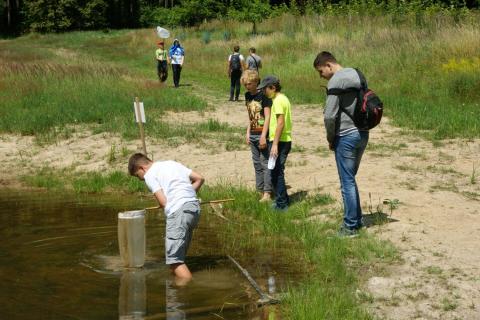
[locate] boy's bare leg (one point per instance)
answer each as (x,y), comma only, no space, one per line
(182,273)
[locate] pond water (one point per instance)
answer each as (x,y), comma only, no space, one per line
(59,259)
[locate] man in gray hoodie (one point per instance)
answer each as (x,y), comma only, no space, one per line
(344,138)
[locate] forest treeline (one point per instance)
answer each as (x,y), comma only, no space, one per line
(23,16)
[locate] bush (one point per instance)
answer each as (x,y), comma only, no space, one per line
(190,13)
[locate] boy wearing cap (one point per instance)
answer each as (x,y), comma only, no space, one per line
(162,60)
(175,187)
(280,137)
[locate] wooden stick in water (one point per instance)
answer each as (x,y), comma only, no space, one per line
(264,298)
(201,202)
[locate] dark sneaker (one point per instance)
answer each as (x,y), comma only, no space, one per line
(347,233)
(361,224)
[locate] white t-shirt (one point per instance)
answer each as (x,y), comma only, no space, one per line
(177,56)
(173,179)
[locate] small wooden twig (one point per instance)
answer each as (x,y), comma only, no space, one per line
(218,214)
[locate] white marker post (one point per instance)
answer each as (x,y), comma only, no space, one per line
(140,118)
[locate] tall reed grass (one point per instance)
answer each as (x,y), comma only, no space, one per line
(404,55)
(415,61)
(44,94)
(89,183)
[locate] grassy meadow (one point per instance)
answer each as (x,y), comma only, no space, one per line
(425,67)
(49,85)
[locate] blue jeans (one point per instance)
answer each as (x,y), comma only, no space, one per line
(348,153)
(278,175)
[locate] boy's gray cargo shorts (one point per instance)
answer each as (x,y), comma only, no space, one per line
(179,230)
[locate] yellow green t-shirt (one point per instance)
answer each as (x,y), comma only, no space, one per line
(281,105)
(161,54)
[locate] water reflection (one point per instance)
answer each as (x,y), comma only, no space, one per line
(174,306)
(179,305)
(132,295)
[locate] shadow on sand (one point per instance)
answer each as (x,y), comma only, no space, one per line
(377,219)
(297,196)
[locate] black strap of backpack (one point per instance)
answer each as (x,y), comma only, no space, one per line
(339,92)
(363,80)
(256,64)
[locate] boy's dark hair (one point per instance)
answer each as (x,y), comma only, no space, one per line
(236,48)
(252,50)
(323,58)
(277,86)
(137,160)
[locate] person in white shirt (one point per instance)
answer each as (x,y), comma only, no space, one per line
(175,187)
(177,57)
(236,65)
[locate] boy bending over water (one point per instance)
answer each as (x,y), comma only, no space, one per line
(175,187)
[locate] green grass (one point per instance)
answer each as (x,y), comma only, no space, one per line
(434,270)
(49,103)
(221,134)
(83,182)
(330,268)
(423,73)
(46,92)
(448,304)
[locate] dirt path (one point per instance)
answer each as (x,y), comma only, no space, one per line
(436,224)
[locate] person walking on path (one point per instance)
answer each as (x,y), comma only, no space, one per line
(258,108)
(344,138)
(161,55)
(175,187)
(254,62)
(177,57)
(236,66)
(280,136)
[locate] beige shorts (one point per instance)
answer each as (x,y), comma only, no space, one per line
(179,230)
